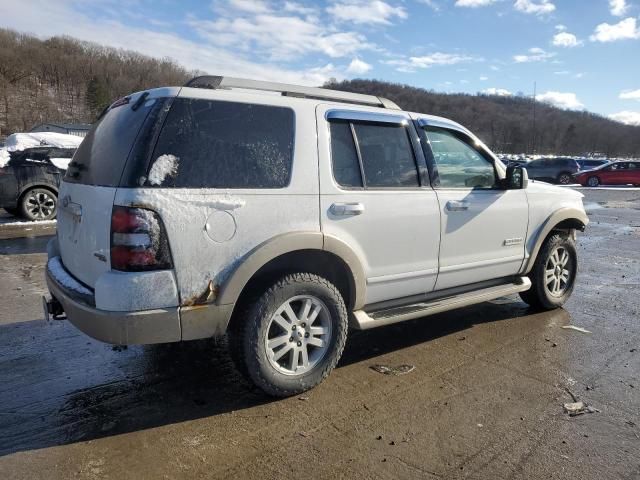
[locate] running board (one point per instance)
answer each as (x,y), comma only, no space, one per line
(365,321)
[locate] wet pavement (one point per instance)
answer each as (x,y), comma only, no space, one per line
(485,399)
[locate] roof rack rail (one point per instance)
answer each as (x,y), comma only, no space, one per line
(216,82)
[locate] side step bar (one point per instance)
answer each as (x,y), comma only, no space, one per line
(366,320)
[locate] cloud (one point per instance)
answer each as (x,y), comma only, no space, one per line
(427,61)
(561,28)
(630,95)
(623,30)
(484,78)
(254,6)
(541,7)
(294,7)
(618,7)
(535,54)
(365,12)
(566,39)
(358,67)
(260,48)
(473,3)
(431,3)
(278,37)
(499,92)
(561,100)
(626,117)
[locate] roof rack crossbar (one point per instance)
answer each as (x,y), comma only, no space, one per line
(216,82)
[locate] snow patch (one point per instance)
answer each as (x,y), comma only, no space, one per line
(164,166)
(61,163)
(58,272)
(22,141)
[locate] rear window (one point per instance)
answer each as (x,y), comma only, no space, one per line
(216,144)
(102,155)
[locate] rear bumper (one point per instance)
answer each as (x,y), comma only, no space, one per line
(119,328)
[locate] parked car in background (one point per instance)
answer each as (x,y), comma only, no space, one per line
(31,167)
(613,173)
(591,164)
(555,170)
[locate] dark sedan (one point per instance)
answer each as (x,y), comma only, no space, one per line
(29,182)
(615,173)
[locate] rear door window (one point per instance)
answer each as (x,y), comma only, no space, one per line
(372,155)
(216,144)
(387,156)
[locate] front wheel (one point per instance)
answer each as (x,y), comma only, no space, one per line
(290,338)
(38,204)
(554,273)
(593,181)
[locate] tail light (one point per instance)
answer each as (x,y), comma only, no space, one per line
(138,240)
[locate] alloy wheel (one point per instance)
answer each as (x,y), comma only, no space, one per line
(558,272)
(40,204)
(298,335)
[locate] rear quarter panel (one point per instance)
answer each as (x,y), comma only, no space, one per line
(211,230)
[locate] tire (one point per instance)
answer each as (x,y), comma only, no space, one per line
(560,271)
(593,181)
(564,178)
(38,204)
(268,346)
(12,211)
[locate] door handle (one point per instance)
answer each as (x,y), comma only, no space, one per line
(346,209)
(457,206)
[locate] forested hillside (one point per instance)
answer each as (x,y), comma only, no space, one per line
(506,123)
(65,80)
(62,79)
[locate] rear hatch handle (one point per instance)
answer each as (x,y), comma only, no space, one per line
(73,209)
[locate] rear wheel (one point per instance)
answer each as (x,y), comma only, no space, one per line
(553,274)
(291,337)
(38,204)
(593,181)
(564,178)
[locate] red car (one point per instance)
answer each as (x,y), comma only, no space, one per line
(614,173)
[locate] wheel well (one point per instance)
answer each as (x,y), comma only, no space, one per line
(568,224)
(319,262)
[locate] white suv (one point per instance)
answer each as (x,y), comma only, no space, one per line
(282,215)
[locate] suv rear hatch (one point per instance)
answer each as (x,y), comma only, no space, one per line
(112,155)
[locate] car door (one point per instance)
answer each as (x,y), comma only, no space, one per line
(535,168)
(483,225)
(375,197)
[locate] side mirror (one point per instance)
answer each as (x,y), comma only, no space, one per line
(517,178)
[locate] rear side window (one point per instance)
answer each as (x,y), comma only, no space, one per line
(218,144)
(384,155)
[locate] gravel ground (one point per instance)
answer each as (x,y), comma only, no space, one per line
(485,399)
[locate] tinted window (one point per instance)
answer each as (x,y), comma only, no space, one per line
(459,164)
(634,166)
(102,155)
(344,158)
(224,145)
(387,155)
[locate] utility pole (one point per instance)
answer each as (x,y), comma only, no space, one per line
(533,142)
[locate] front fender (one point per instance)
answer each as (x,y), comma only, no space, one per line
(566,218)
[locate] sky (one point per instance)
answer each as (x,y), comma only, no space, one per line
(582,54)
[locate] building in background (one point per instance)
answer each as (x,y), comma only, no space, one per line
(77,129)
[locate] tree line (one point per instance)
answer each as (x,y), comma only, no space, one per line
(62,79)
(506,124)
